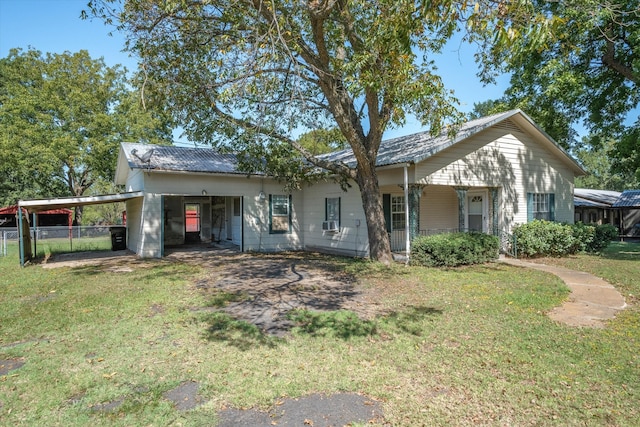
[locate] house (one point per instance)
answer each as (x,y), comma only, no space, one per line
(629,206)
(621,210)
(596,206)
(494,173)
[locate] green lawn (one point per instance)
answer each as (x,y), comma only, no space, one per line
(465,346)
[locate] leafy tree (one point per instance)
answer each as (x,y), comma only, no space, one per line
(62,117)
(245,74)
(108,213)
(321,141)
(584,68)
(598,162)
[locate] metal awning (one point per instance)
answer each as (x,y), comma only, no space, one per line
(39,205)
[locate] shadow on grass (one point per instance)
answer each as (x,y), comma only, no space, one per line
(339,324)
(622,251)
(411,320)
(239,333)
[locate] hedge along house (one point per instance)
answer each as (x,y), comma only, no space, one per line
(495,172)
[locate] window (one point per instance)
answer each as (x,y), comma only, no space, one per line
(279,213)
(332,209)
(541,206)
(397,213)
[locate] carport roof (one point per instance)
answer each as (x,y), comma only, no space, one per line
(628,199)
(39,205)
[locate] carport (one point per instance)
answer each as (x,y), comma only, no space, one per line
(39,205)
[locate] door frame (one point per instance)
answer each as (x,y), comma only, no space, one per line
(485,208)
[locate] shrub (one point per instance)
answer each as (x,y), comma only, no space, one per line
(603,235)
(540,238)
(546,238)
(583,237)
(453,249)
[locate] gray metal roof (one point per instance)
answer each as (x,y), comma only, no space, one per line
(420,146)
(585,203)
(179,159)
(605,197)
(628,199)
(405,149)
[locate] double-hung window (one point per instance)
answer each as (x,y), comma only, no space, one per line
(397,213)
(332,211)
(541,206)
(279,213)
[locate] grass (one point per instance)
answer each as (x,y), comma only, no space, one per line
(464,346)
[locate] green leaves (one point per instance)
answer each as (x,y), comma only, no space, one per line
(62,117)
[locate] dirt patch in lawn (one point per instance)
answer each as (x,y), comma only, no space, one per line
(264,289)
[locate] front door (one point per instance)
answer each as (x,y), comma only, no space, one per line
(477,211)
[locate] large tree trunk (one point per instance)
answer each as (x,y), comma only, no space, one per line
(379,246)
(77,217)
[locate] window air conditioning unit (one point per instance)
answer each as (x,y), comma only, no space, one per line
(330,226)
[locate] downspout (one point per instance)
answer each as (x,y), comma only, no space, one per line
(406,213)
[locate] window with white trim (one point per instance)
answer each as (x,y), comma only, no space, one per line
(397,213)
(279,213)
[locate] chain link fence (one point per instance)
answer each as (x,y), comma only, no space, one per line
(49,240)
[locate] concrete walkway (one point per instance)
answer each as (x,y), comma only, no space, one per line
(591,302)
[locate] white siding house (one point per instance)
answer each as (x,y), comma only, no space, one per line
(496,172)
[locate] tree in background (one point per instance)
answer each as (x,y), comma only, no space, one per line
(321,141)
(62,117)
(584,70)
(598,161)
(247,75)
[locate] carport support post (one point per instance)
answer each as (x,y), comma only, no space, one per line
(20,239)
(35,235)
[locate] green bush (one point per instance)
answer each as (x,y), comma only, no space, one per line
(453,249)
(603,235)
(546,238)
(541,238)
(583,237)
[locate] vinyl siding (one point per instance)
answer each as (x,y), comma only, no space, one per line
(438,208)
(504,157)
(352,239)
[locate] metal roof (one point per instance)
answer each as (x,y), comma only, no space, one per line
(179,159)
(605,197)
(628,199)
(420,146)
(39,205)
(585,203)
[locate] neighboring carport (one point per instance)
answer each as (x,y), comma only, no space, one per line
(34,206)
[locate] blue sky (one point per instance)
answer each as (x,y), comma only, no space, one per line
(55,26)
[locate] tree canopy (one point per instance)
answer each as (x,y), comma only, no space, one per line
(584,71)
(62,117)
